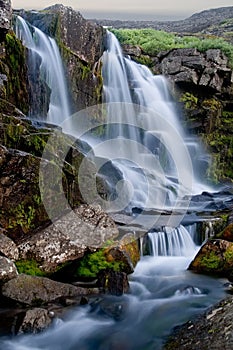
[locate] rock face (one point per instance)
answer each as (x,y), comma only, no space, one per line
(7,270)
(213,330)
(81,43)
(87,228)
(5,17)
(33,290)
(215,257)
(189,66)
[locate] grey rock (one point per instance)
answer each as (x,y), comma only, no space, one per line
(5,16)
(131,50)
(35,321)
(216,56)
(7,247)
(32,290)
(8,270)
(68,238)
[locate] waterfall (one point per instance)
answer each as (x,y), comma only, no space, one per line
(160,162)
(171,242)
(43,51)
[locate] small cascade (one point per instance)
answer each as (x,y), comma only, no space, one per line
(171,242)
(44,56)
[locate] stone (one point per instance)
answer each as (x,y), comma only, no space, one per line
(113,282)
(35,291)
(125,251)
(8,270)
(227,233)
(67,239)
(7,247)
(131,50)
(216,56)
(215,257)
(36,320)
(5,17)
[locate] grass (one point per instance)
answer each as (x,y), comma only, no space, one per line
(153,41)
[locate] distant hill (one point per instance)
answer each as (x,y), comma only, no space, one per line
(214,21)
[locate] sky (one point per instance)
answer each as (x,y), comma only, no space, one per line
(129,9)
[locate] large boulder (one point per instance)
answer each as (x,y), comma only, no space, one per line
(215,257)
(87,228)
(32,290)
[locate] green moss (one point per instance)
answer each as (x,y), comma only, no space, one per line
(23,216)
(16,88)
(211,262)
(190,101)
(29,267)
(91,264)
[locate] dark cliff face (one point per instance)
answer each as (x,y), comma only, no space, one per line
(81,44)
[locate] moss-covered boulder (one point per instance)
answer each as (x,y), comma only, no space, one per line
(215,257)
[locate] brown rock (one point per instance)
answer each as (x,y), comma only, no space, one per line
(215,257)
(112,282)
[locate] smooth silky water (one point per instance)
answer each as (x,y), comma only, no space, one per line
(163,294)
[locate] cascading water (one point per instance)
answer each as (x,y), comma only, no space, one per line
(170,160)
(162,293)
(43,48)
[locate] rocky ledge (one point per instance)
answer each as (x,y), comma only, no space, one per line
(213,330)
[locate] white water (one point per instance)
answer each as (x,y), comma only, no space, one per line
(45,49)
(170,162)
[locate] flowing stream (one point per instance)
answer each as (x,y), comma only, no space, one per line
(163,293)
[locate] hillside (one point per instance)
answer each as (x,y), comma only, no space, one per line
(213,21)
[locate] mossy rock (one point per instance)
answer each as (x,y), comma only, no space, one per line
(227,233)
(215,258)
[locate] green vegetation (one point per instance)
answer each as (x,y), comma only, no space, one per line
(91,264)
(29,267)
(153,41)
(211,261)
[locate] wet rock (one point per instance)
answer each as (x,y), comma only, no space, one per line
(227,233)
(7,247)
(35,321)
(215,257)
(67,239)
(112,282)
(7,270)
(213,330)
(114,308)
(81,44)
(5,17)
(125,251)
(32,290)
